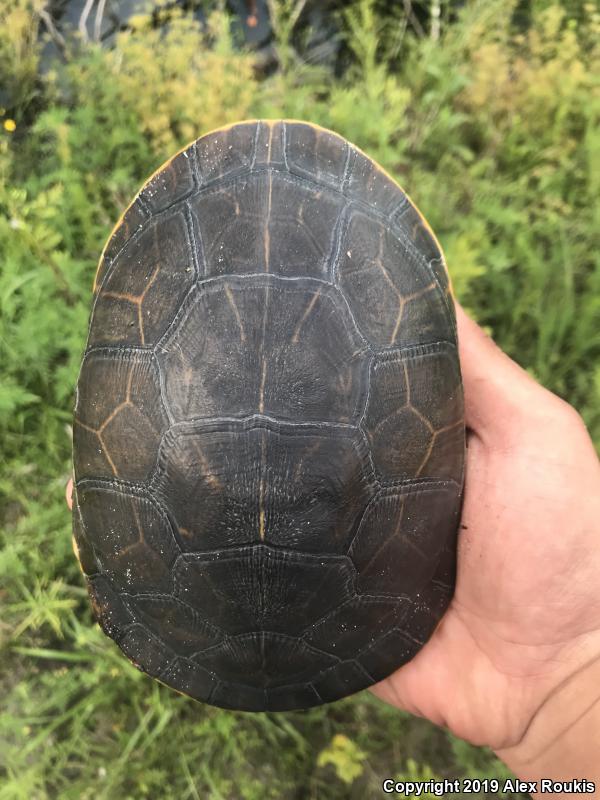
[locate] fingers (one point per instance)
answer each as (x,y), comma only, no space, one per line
(497,390)
(69,493)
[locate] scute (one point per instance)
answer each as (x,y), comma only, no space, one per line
(391,289)
(130,223)
(341,632)
(231,485)
(409,435)
(288,349)
(269,431)
(226,152)
(131,537)
(263,588)
(179,625)
(174,181)
(147,652)
(264,660)
(368,183)
(314,154)
(119,417)
(404,530)
(145,285)
(266,219)
(188,678)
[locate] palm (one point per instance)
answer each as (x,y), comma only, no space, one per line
(523,617)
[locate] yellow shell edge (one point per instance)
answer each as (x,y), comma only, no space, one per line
(271,122)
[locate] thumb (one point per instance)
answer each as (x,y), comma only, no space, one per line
(69,493)
(496,387)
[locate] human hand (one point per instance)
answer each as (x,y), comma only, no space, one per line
(515,661)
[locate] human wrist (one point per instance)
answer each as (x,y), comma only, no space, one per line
(562,740)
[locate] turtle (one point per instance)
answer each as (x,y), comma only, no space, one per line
(269,432)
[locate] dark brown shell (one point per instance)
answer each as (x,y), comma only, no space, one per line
(269,434)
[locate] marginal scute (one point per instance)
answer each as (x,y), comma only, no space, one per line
(263,659)
(370,184)
(269,146)
(89,456)
(277,347)
(340,680)
(176,623)
(315,154)
(409,224)
(444,578)
(146,651)
(146,284)
(132,222)
(394,646)
(226,151)
(390,652)
(84,550)
(108,607)
(261,588)
(342,632)
(428,372)
(239,695)
(229,486)
(174,181)
(187,677)
(284,698)
(391,291)
(414,227)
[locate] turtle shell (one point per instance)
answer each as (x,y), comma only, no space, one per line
(269,434)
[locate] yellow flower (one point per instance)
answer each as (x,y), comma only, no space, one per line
(10,125)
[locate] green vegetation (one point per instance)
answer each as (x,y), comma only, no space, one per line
(493,128)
